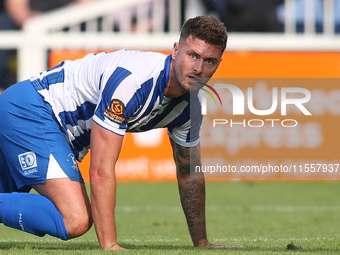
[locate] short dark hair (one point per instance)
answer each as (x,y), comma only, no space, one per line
(205,28)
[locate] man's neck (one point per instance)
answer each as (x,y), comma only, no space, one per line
(174,89)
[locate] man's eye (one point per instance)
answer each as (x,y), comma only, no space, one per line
(210,61)
(192,55)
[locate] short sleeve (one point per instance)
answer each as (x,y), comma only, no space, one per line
(118,101)
(188,134)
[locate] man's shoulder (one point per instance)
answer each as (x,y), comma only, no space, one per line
(142,65)
(138,54)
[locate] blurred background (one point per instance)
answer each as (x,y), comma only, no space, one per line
(267,39)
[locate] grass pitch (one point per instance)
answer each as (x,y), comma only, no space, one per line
(264,217)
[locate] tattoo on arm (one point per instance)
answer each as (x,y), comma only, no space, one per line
(193,202)
(192,191)
(184,156)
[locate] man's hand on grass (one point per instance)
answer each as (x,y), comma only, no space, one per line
(116,247)
(208,244)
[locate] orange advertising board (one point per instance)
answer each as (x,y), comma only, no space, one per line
(148,156)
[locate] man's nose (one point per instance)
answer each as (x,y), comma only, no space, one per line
(198,68)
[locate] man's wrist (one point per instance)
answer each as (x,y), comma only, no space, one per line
(203,243)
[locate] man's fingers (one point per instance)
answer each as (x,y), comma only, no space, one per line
(116,247)
(225,246)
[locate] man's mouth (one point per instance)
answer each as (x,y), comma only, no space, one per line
(193,77)
(195,82)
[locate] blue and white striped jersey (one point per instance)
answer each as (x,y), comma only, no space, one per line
(122,91)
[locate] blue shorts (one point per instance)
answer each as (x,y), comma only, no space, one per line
(32,146)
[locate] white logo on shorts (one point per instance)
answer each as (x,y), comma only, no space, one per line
(75,165)
(27,160)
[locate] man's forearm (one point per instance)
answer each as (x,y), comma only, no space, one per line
(103,197)
(192,193)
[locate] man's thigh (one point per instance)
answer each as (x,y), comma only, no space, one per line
(67,195)
(33,146)
(34,152)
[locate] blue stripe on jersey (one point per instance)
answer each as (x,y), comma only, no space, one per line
(158,118)
(139,99)
(115,79)
(196,121)
(161,84)
(48,80)
(53,78)
(100,81)
(83,112)
(57,66)
(191,112)
(184,118)
(178,121)
(81,141)
(158,93)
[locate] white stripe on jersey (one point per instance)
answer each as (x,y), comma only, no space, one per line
(176,111)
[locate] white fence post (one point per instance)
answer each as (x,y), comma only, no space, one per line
(32,59)
(309,17)
(328,17)
(174,16)
(290,16)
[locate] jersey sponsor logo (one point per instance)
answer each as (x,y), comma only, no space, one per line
(117,107)
(115,111)
(28,162)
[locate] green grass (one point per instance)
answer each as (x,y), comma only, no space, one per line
(264,217)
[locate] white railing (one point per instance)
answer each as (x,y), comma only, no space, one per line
(307,9)
(102,17)
(47,31)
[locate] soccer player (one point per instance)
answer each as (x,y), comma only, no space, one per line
(49,121)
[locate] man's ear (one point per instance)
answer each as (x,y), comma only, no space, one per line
(174,50)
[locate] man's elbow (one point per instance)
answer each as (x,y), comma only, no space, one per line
(99,174)
(189,172)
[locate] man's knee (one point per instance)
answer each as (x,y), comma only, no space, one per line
(72,202)
(78,223)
